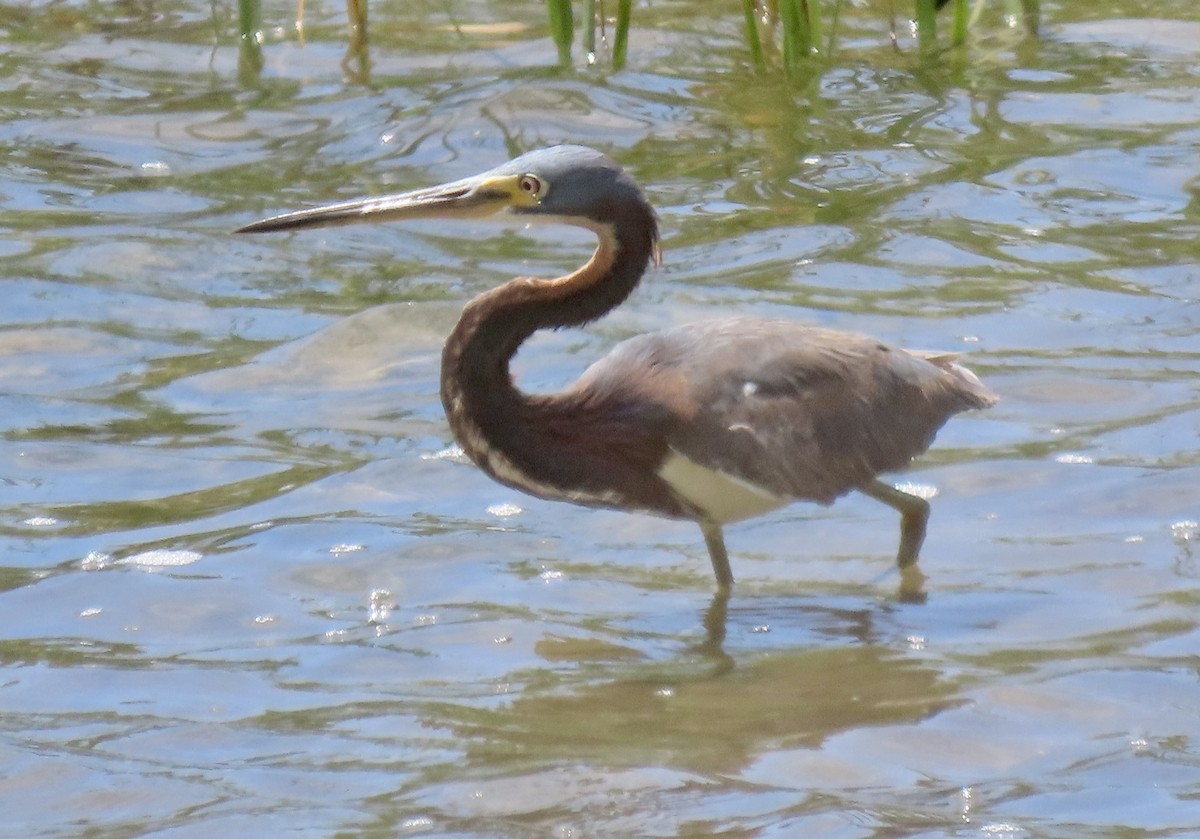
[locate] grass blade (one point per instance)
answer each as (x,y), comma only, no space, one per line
(1033,14)
(250,38)
(562,27)
(753,37)
(961,15)
(927,25)
(589,30)
(621,36)
(812,16)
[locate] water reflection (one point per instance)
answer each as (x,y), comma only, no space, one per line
(706,721)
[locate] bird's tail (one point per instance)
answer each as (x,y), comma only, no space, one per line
(974,392)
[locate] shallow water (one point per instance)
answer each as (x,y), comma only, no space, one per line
(248,587)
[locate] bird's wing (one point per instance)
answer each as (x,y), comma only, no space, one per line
(797,411)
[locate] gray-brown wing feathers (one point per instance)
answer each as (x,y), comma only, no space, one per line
(800,411)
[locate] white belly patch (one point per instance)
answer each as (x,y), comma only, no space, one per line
(723,498)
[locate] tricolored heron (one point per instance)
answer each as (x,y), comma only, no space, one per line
(714,422)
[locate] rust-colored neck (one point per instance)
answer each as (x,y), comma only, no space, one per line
(521,440)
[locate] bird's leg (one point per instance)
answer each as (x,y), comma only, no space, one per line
(914,513)
(912,584)
(715,541)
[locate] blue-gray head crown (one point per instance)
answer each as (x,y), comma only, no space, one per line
(583,183)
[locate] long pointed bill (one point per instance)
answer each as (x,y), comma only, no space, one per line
(476,197)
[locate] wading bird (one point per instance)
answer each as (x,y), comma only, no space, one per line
(713,422)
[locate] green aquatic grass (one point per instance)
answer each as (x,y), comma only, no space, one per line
(1032,11)
(926,16)
(798,22)
(959,28)
(795,37)
(750,10)
(621,36)
(589,32)
(562,27)
(250,55)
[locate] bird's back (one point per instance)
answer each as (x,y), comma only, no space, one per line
(798,411)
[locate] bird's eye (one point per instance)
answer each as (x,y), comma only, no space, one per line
(530,185)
